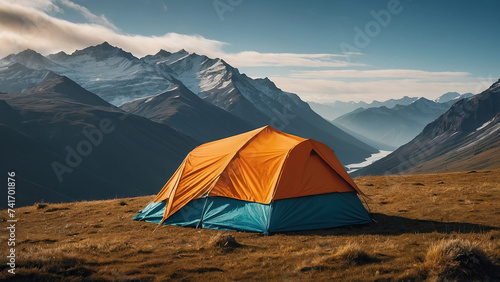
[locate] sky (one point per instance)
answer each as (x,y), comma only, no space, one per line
(322,50)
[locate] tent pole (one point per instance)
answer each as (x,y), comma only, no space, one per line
(202,213)
(269,218)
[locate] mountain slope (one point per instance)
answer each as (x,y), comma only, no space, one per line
(452,96)
(186,112)
(395,126)
(31,59)
(466,137)
(66,143)
(16,78)
(118,77)
(259,102)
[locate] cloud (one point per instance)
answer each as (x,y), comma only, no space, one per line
(101,20)
(24,27)
(252,59)
(40,5)
(387,73)
(368,85)
(28,24)
(325,90)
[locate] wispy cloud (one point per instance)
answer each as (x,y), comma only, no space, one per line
(368,85)
(40,5)
(101,20)
(326,90)
(252,59)
(385,73)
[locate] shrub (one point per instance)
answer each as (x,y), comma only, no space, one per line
(41,205)
(353,254)
(457,259)
(224,241)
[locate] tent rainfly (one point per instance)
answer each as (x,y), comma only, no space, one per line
(263,180)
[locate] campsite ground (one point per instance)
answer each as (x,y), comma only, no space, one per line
(97,240)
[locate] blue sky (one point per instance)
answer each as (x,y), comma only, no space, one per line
(395,48)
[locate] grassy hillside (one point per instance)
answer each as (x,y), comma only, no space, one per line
(424,222)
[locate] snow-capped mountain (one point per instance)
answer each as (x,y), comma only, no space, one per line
(113,74)
(452,96)
(118,77)
(16,78)
(31,59)
(465,137)
(257,101)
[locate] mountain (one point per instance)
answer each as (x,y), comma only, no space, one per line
(118,77)
(450,96)
(392,127)
(186,112)
(257,101)
(16,78)
(32,60)
(113,74)
(465,137)
(67,144)
(331,111)
(210,79)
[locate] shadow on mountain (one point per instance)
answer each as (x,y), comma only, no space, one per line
(398,225)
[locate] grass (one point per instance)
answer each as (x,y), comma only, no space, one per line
(422,232)
(458,259)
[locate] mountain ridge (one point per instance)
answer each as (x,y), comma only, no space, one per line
(187,113)
(393,126)
(467,136)
(122,78)
(333,110)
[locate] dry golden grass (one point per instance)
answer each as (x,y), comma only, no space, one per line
(416,216)
(458,259)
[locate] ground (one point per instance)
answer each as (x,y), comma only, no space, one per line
(98,240)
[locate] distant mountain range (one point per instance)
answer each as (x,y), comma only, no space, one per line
(200,83)
(66,143)
(394,126)
(331,111)
(466,137)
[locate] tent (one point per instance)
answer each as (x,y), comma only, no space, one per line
(263,180)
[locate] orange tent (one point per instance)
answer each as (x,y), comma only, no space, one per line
(261,167)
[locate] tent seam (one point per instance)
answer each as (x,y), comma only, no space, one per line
(282,167)
(233,157)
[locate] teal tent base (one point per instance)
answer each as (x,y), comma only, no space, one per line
(302,213)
